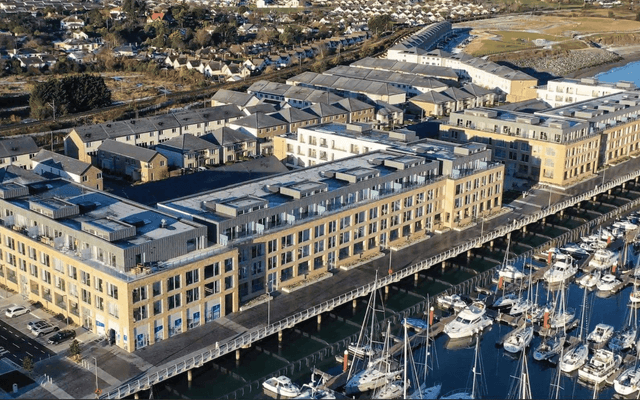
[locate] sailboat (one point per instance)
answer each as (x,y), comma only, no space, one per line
(378,372)
(575,357)
(628,382)
(524,305)
(509,271)
(476,391)
(552,345)
(421,390)
(626,337)
(521,387)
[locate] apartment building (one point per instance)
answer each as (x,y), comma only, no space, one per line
(305,222)
(50,164)
(115,267)
(563,91)
(82,142)
(547,149)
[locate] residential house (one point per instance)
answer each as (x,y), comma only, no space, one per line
(296,118)
(188,151)
(50,164)
(133,162)
(18,151)
(262,126)
(359,111)
(328,113)
(234,144)
(71,23)
(240,99)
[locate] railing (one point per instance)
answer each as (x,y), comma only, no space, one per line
(220,349)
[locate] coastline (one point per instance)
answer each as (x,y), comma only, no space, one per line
(627,57)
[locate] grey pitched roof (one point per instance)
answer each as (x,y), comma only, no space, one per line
(61,162)
(231,97)
(432,97)
(226,136)
(186,143)
(17,146)
(292,115)
(352,105)
(12,173)
(476,90)
(324,110)
(128,150)
(263,108)
(258,121)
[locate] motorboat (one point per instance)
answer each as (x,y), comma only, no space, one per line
(574,358)
(510,272)
(392,390)
(589,281)
(628,382)
(549,347)
(451,301)
(311,391)
(519,340)
(623,339)
(562,319)
(282,387)
(574,250)
(600,335)
(556,254)
(365,350)
(506,300)
(417,324)
(472,318)
(603,259)
(626,226)
(560,271)
(601,365)
(608,283)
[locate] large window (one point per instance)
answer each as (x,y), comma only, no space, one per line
(173,301)
(173,283)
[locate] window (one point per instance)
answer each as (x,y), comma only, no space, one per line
(286,257)
(157,288)
(272,262)
(318,246)
(192,276)
(97,283)
(228,265)
(319,230)
(228,282)
(211,270)
(287,241)
(193,295)
(345,222)
(112,291)
(112,308)
(140,313)
(332,226)
(45,275)
(139,294)
(86,296)
(85,278)
(304,235)
(72,272)
(272,245)
(157,307)
(257,268)
(173,301)
(99,303)
(212,288)
(33,270)
(173,283)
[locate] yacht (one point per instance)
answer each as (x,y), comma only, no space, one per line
(562,319)
(574,250)
(549,347)
(560,271)
(506,300)
(589,281)
(628,382)
(626,226)
(603,259)
(634,297)
(623,339)
(363,351)
(519,340)
(601,365)
(510,272)
(451,301)
(574,358)
(600,335)
(282,387)
(470,319)
(608,283)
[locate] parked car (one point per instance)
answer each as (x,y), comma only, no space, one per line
(61,336)
(15,311)
(44,329)
(36,323)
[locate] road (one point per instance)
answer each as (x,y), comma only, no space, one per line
(16,345)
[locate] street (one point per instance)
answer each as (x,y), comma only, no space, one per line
(15,345)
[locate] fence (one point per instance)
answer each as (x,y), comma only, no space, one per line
(220,349)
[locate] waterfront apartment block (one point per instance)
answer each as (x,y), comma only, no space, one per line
(563,91)
(82,142)
(544,148)
(303,223)
(120,269)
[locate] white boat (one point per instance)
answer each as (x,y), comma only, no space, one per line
(601,365)
(451,301)
(608,283)
(562,319)
(625,225)
(469,320)
(600,335)
(506,300)
(589,281)
(603,259)
(560,271)
(574,250)
(392,390)
(416,323)
(556,254)
(510,272)
(418,384)
(426,392)
(519,340)
(282,387)
(624,339)
(634,297)
(549,347)
(574,358)
(365,350)
(312,391)
(521,306)
(628,382)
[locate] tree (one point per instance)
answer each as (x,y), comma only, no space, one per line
(611,14)
(27,364)
(202,38)
(74,349)
(380,23)
(70,94)
(291,35)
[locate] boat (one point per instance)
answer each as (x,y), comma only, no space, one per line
(510,272)
(555,254)
(519,339)
(601,365)
(421,390)
(634,297)
(549,347)
(476,370)
(313,390)
(451,301)
(608,283)
(560,271)
(603,259)
(574,250)
(505,301)
(282,387)
(469,320)
(377,373)
(416,323)
(589,281)
(628,382)
(363,351)
(576,356)
(521,387)
(562,319)
(626,337)
(626,226)
(600,335)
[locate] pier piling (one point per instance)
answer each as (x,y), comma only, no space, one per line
(345,361)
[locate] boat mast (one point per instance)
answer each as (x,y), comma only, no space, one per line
(406,344)
(584,309)
(525,387)
(475,364)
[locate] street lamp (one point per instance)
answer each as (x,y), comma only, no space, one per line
(96,369)
(268,304)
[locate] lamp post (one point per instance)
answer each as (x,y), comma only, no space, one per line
(96,370)
(268,303)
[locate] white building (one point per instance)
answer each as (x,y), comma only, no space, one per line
(560,92)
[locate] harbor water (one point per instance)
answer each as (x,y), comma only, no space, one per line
(629,72)
(240,378)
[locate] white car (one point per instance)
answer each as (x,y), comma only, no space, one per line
(44,329)
(15,311)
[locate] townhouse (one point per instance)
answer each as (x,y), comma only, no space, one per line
(50,164)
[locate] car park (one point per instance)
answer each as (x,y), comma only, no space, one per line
(15,311)
(44,329)
(35,323)
(61,336)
